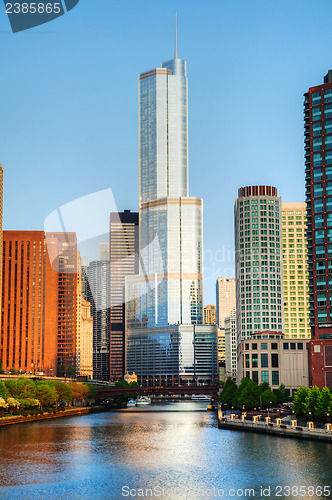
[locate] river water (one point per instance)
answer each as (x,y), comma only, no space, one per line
(172,451)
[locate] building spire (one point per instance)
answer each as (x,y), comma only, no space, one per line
(176,35)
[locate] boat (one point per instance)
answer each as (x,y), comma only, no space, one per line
(143,401)
(131,403)
(201,397)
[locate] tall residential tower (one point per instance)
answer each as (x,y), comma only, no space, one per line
(259,283)
(318,162)
(164,334)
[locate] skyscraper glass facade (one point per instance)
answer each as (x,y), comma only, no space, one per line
(168,292)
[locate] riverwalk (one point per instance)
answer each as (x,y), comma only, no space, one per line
(68,412)
(278,427)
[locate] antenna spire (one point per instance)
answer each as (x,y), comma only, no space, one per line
(176,35)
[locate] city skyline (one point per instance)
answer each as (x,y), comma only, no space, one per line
(270,79)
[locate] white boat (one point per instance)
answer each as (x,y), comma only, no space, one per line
(201,397)
(131,403)
(143,401)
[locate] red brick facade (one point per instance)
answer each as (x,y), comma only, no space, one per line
(321,363)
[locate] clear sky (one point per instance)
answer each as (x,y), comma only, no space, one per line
(69,104)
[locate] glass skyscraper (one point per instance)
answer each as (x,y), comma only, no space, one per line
(168,292)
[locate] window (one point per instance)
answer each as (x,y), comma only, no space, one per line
(274,346)
(254,359)
(292,346)
(247,361)
(275,378)
(264,360)
(317,129)
(316,98)
(300,346)
(264,346)
(317,146)
(246,347)
(255,377)
(265,376)
(254,347)
(274,361)
(285,345)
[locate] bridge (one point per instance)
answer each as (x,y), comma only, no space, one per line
(178,390)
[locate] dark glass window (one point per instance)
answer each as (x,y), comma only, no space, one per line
(285,345)
(275,378)
(254,347)
(264,360)
(292,346)
(254,360)
(274,360)
(247,361)
(255,377)
(300,346)
(274,346)
(247,347)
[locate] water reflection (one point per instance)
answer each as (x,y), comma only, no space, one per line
(94,456)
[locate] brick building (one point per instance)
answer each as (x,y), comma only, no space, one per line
(29,304)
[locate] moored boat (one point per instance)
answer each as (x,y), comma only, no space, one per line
(143,401)
(201,397)
(131,403)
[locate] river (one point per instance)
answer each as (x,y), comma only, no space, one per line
(170,450)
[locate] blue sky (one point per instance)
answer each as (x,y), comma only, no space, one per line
(69,104)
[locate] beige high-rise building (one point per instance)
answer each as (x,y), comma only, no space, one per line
(84,331)
(210,317)
(226,299)
(295,270)
(230,347)
(221,344)
(86,340)
(1,220)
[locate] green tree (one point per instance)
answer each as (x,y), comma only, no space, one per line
(324,401)
(11,386)
(248,394)
(228,392)
(26,388)
(46,394)
(62,391)
(93,393)
(3,390)
(269,398)
(1,369)
(311,400)
(23,388)
(121,383)
(281,394)
(300,401)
